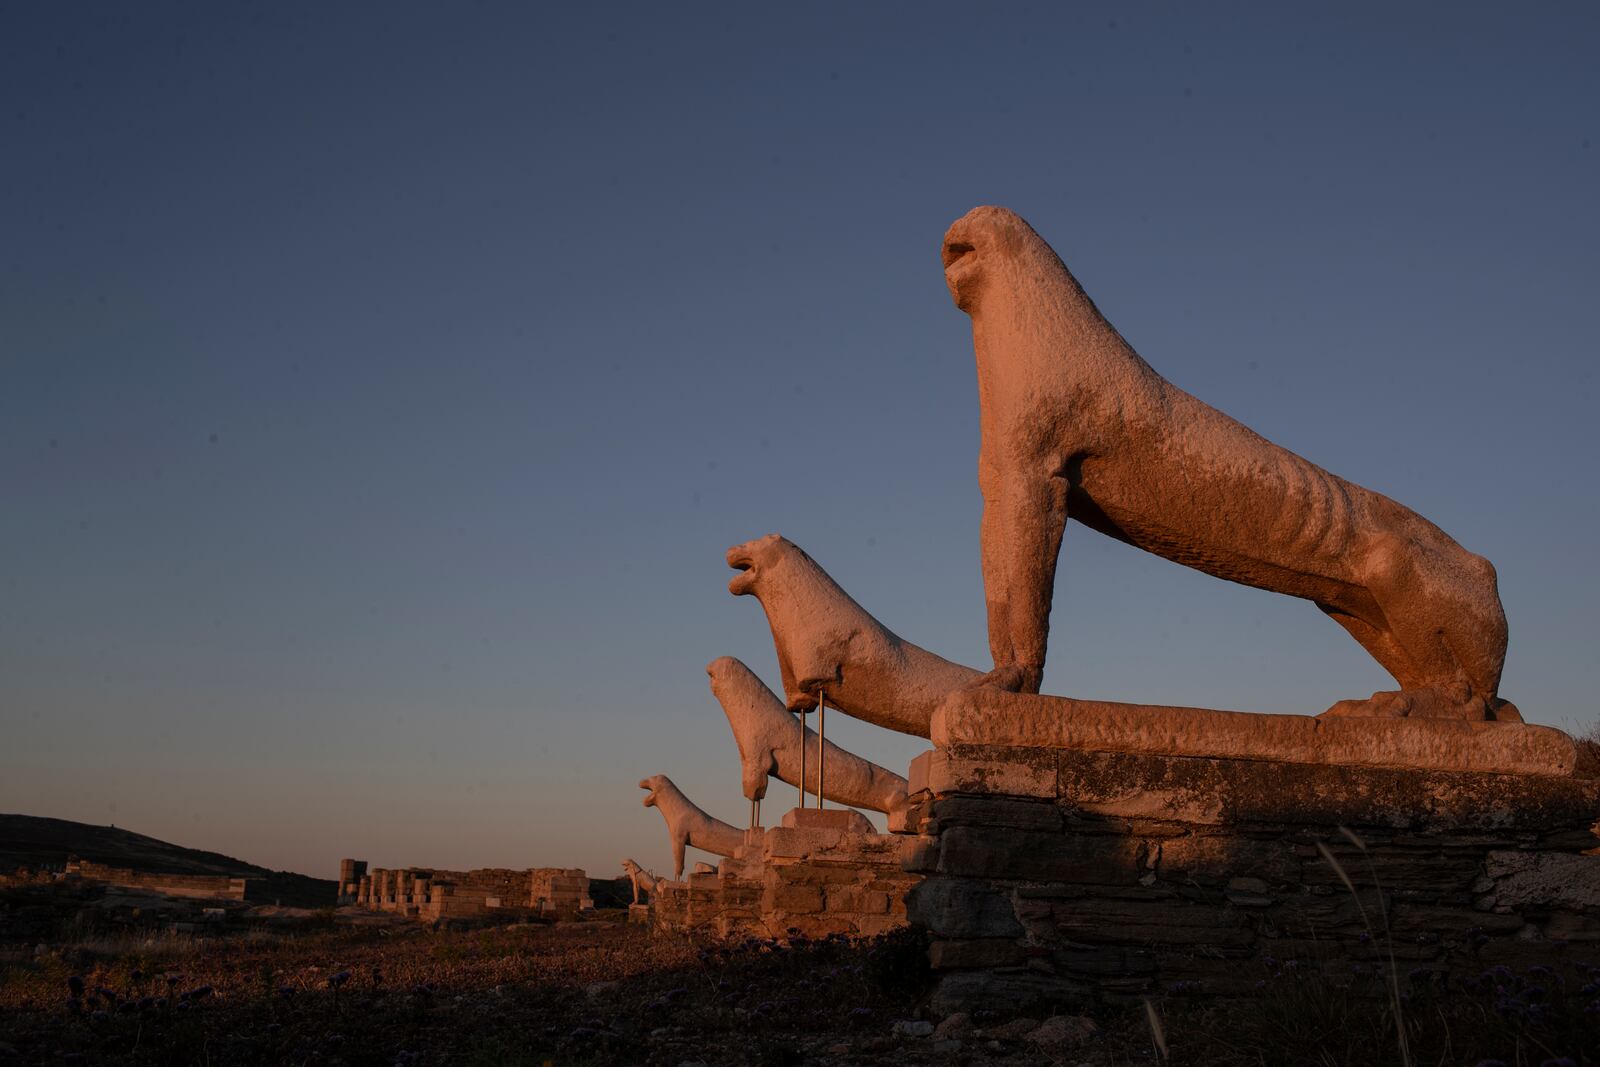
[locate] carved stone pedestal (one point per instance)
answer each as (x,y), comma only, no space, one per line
(1065,876)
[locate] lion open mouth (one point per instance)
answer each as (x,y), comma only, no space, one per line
(954,251)
(741,559)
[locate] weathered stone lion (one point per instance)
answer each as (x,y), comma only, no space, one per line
(769,744)
(687,824)
(827,643)
(639,877)
(1075,424)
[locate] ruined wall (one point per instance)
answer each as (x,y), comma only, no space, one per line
(206,886)
(433,893)
(830,876)
(556,889)
(351,874)
(1073,877)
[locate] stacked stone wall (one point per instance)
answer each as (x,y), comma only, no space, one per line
(1074,877)
(351,875)
(556,889)
(787,881)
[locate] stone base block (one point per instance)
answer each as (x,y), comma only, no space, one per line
(1066,877)
(843,820)
(990,717)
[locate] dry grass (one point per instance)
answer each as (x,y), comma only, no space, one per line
(1589,752)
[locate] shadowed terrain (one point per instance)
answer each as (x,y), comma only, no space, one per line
(38,842)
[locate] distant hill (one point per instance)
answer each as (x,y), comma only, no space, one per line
(35,841)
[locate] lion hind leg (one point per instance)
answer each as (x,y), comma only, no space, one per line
(1443,632)
(1380,645)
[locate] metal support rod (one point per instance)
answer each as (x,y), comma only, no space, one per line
(822,744)
(802,779)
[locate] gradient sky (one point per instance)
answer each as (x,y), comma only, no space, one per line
(380,385)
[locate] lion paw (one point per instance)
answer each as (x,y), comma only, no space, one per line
(1445,702)
(1012,678)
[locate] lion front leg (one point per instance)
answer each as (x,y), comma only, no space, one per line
(1024,517)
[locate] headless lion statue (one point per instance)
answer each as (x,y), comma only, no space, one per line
(1075,424)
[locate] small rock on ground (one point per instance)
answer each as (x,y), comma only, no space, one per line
(1014,1030)
(1064,1031)
(913,1028)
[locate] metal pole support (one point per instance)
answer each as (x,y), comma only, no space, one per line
(802,779)
(822,744)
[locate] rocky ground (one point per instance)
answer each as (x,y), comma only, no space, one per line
(362,989)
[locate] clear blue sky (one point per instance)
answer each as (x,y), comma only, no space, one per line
(380,385)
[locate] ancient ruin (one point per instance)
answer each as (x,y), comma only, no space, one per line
(197,886)
(1067,851)
(822,872)
(432,894)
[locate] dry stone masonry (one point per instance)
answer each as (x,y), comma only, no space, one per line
(823,872)
(1065,876)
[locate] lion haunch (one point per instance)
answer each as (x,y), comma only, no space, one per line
(1076,425)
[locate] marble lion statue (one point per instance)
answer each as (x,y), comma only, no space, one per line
(639,877)
(769,744)
(1076,425)
(687,824)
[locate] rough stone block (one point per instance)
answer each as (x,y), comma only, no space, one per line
(789,843)
(1026,855)
(1394,870)
(856,898)
(947,812)
(917,773)
(1408,920)
(920,855)
(815,874)
(1105,961)
(1540,879)
(797,899)
(989,770)
(875,925)
(1238,793)
(949,955)
(1213,859)
(1133,922)
(843,820)
(956,908)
